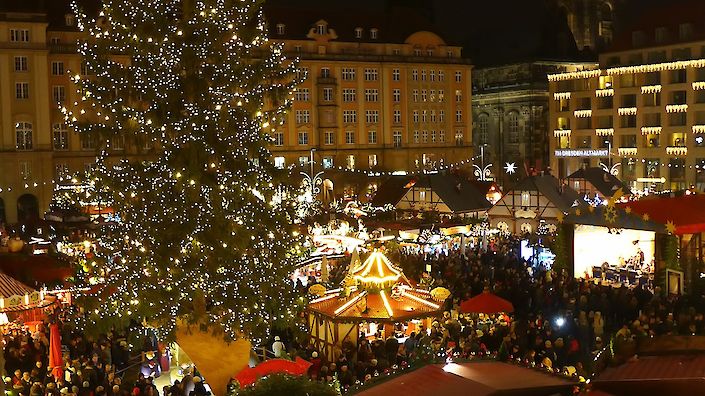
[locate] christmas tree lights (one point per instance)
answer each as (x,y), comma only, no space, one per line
(205,229)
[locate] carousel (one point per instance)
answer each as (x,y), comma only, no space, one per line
(376,298)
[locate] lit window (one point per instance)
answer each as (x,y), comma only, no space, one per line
(525,198)
(60,136)
(358,32)
(321,29)
(23,132)
(327,162)
(372,160)
(373,33)
(279,162)
(350,162)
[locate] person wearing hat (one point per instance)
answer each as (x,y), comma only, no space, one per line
(278,347)
(199,388)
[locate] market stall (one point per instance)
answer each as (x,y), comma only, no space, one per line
(21,306)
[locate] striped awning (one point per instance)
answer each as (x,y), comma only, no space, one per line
(11,287)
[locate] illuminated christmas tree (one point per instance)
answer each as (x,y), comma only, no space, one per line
(181,98)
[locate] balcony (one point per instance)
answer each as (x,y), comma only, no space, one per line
(65,48)
(698,85)
(327,80)
(627,151)
(561,132)
(677,151)
(651,130)
(676,108)
(698,128)
(651,89)
(561,95)
(626,111)
(582,113)
(604,92)
(604,131)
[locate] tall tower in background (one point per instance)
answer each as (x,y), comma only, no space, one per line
(591,21)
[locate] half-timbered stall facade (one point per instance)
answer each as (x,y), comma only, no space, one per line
(596,184)
(442,193)
(534,200)
(375,291)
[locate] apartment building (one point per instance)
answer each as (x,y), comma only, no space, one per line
(641,113)
(372,100)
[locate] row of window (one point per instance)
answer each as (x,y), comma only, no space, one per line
(372,117)
(22,92)
(372,74)
(24,138)
(329,137)
(350,161)
(372,95)
(22,65)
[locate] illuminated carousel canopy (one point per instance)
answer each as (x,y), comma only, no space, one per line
(377,291)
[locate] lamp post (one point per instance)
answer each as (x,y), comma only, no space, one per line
(312,180)
(483,172)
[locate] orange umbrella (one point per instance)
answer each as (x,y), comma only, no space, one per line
(55,355)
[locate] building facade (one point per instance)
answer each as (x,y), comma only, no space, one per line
(510,116)
(367,103)
(641,114)
(591,21)
(379,106)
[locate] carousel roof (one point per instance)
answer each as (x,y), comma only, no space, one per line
(378,270)
(382,293)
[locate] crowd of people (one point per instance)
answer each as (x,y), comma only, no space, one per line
(558,322)
(90,367)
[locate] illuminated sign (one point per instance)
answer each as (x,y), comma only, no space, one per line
(651,179)
(581,153)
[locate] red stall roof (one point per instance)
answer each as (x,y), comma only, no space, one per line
(687,213)
(477,379)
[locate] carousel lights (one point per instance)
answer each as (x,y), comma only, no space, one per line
(420,300)
(352,301)
(383,294)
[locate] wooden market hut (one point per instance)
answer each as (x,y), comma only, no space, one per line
(534,200)
(374,291)
(19,301)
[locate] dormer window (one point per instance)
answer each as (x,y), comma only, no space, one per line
(429,52)
(280,29)
(70,19)
(321,29)
(373,33)
(358,32)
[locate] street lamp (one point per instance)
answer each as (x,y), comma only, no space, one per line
(312,181)
(483,172)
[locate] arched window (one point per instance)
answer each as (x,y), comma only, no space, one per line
(513,127)
(27,208)
(483,126)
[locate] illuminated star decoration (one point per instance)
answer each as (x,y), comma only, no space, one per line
(645,217)
(670,227)
(510,167)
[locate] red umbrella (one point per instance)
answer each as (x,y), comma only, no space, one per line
(249,376)
(56,362)
(487,303)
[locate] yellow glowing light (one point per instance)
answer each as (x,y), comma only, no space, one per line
(386,303)
(420,300)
